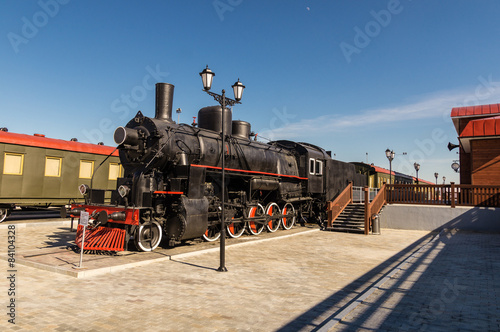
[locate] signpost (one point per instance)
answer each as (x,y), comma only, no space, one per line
(84,221)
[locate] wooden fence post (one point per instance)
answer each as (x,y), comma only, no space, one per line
(367,210)
(452,194)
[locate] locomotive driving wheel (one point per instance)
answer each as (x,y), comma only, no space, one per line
(235,229)
(148,236)
(212,233)
(289,212)
(273,209)
(4,212)
(254,227)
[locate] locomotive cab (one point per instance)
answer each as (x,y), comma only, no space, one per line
(312,164)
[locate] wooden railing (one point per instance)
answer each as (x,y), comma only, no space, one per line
(446,195)
(374,206)
(338,205)
(379,201)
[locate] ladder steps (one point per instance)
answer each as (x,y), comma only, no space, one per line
(351,220)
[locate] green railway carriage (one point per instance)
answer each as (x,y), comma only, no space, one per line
(376,176)
(43,172)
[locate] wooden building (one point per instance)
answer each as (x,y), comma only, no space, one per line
(478,129)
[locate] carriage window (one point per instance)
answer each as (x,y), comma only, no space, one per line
(311,166)
(319,167)
(86,169)
(13,163)
(114,171)
(53,166)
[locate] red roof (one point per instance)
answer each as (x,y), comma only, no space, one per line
(52,143)
(480,110)
(382,170)
(386,171)
(482,127)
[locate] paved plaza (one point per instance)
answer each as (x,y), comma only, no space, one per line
(298,280)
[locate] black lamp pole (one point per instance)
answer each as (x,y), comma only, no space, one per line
(417,167)
(436,175)
(390,155)
(206,77)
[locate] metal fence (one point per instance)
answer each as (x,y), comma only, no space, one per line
(358,194)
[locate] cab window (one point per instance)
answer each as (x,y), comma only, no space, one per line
(312,165)
(319,167)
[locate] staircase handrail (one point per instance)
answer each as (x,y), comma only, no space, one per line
(374,206)
(335,207)
(379,201)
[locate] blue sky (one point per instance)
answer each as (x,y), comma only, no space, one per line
(354,77)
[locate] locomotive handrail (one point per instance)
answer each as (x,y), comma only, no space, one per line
(169,137)
(335,208)
(250,172)
(93,173)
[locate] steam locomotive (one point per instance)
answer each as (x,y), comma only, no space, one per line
(171,188)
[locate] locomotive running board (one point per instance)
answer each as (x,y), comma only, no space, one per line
(101,238)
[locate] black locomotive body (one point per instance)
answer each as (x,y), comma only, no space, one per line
(171,187)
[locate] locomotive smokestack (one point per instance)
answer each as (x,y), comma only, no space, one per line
(164,101)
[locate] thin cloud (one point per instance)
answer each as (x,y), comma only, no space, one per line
(437,105)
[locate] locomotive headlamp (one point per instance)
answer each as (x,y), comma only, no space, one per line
(123,190)
(238,90)
(206,77)
(84,189)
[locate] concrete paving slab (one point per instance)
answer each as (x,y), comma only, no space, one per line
(53,249)
(452,284)
(292,283)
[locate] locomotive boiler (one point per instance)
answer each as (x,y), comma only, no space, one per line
(171,186)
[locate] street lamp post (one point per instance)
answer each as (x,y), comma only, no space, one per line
(417,167)
(207,76)
(436,189)
(390,155)
(178,111)
(444,179)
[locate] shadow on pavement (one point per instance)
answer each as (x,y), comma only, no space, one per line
(311,320)
(194,265)
(450,285)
